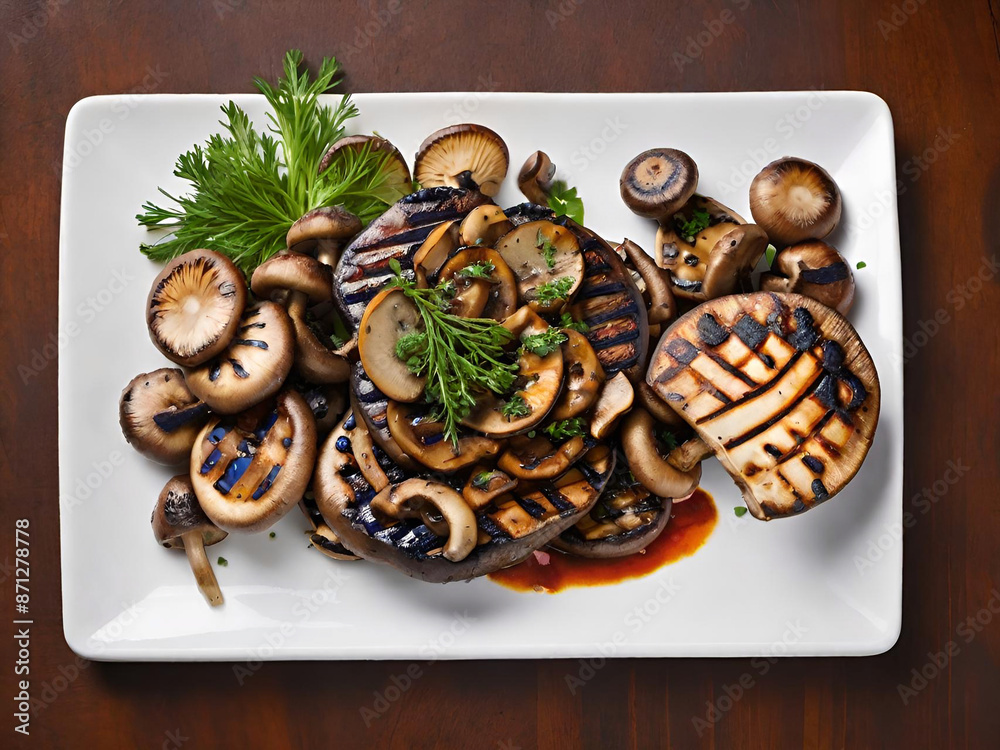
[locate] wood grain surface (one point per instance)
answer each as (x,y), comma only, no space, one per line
(936,63)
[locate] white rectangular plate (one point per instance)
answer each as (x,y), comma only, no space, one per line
(828,582)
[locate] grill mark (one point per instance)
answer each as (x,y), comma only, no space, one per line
(750,395)
(806,393)
(529,506)
(812,434)
(724,364)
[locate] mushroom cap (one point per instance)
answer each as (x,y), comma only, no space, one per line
(535,177)
(250,469)
(422,438)
(649,464)
(254,365)
(194,306)
(293,272)
(408,500)
(314,360)
(467,155)
(662,306)
(178,512)
(543,253)
(584,377)
(615,400)
(159,415)
(795,200)
(397,181)
(500,290)
(324,223)
(792,414)
(483,226)
(389,317)
(815,269)
(536,458)
(657,182)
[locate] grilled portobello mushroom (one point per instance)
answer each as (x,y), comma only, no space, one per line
(780,387)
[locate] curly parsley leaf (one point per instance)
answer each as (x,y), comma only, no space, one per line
(565,202)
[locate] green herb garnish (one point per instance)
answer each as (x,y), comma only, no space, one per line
(566,321)
(565,202)
(566,429)
(516,407)
(688,229)
(461,358)
(551,291)
(667,438)
(544,343)
(861,264)
(223,562)
(769,254)
(740,511)
(248,188)
(547,248)
(478,270)
(482,479)
(272,535)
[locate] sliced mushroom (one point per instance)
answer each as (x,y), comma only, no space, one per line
(484,226)
(250,469)
(547,262)
(159,415)
(649,464)
(180,523)
(795,200)
(584,377)
(656,183)
(537,458)
(522,213)
(485,485)
(390,316)
(714,261)
(689,454)
(323,232)
(194,307)
(538,385)
(535,177)
(662,308)
(254,365)
(395,177)
(656,406)
(431,255)
(783,390)
(494,297)
(814,269)
(614,401)
(323,538)
(467,156)
(409,499)
(422,438)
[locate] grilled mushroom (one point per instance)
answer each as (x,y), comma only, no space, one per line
(648,461)
(795,200)
(194,307)
(422,438)
(251,469)
(781,388)
(689,454)
(662,308)
(486,485)
(434,251)
(390,316)
(814,269)
(484,226)
(656,183)
(651,402)
(323,537)
(327,403)
(409,500)
(547,262)
(180,523)
(537,458)
(323,232)
(159,415)
(535,177)
(708,249)
(492,295)
(466,156)
(584,377)
(254,365)
(396,180)
(614,401)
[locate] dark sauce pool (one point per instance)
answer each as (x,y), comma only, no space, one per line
(690,525)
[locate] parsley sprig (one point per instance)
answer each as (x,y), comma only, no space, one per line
(247,188)
(461,358)
(548,249)
(700,220)
(544,343)
(566,429)
(515,407)
(566,321)
(554,290)
(478,270)
(565,202)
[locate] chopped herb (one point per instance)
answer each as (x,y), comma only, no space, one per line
(460,357)
(223,562)
(667,438)
(565,202)
(688,229)
(483,270)
(532,434)
(272,535)
(547,248)
(861,264)
(566,429)
(740,511)
(516,407)
(552,291)
(566,321)
(544,343)
(482,479)
(769,254)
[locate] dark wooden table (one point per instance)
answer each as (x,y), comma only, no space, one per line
(937,65)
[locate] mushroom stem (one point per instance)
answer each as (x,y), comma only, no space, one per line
(296,304)
(194,547)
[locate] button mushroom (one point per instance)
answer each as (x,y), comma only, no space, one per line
(547,262)
(249,470)
(648,461)
(254,365)
(409,500)
(708,249)
(795,200)
(661,306)
(389,317)
(656,183)
(484,284)
(159,415)
(180,523)
(535,178)
(194,307)
(467,156)
(322,233)
(814,269)
(394,182)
